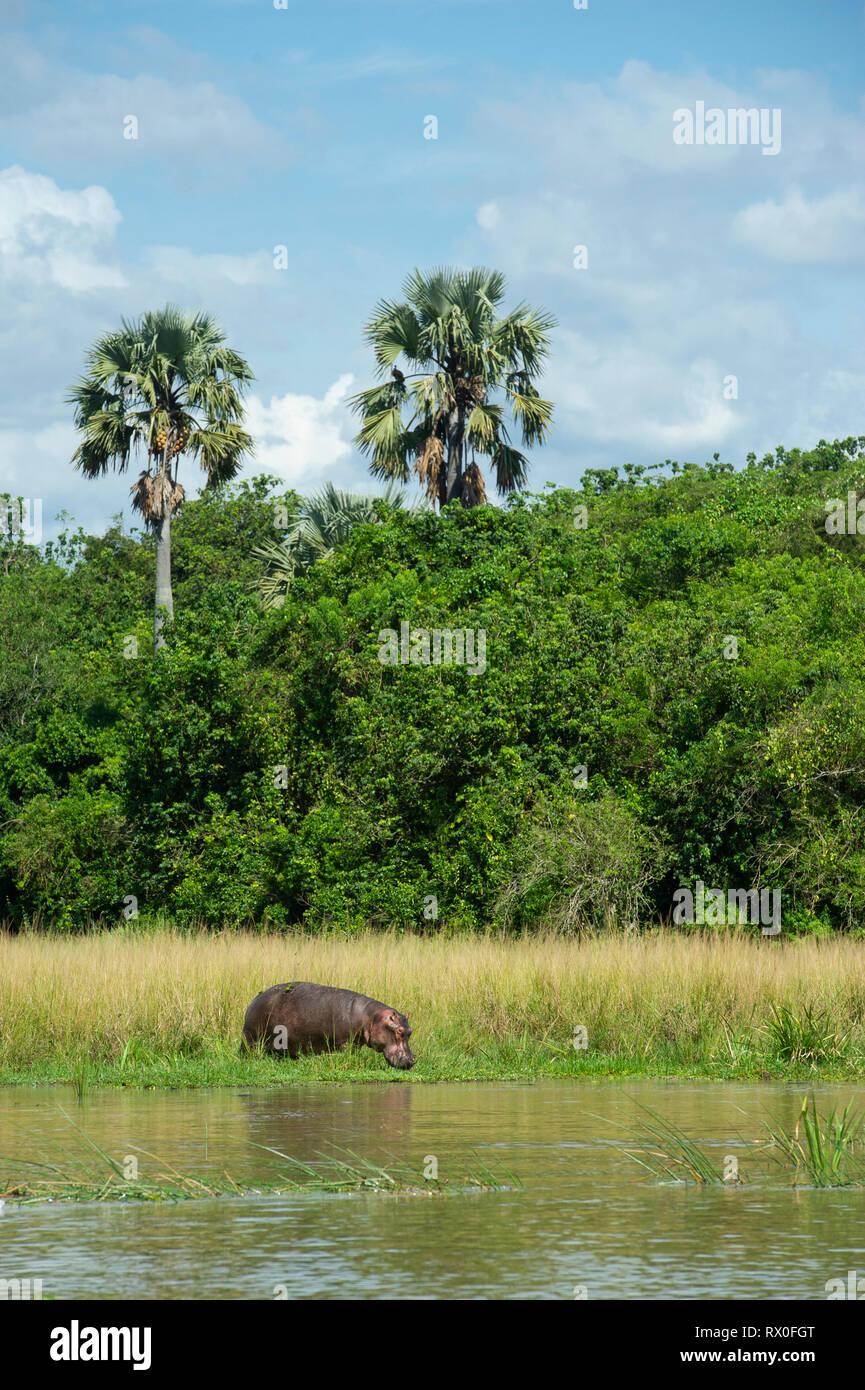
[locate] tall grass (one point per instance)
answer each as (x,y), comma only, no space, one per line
(136,1002)
(665,1150)
(809,1037)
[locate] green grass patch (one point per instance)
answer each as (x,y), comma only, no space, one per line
(823,1150)
(810,1036)
(491,1061)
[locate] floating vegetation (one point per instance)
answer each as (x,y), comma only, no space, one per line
(97,1177)
(353,1174)
(823,1151)
(664,1150)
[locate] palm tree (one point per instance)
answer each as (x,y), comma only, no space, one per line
(325,521)
(159,388)
(457,353)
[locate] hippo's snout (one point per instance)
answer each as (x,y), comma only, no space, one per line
(401,1058)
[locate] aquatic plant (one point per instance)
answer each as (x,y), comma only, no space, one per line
(826,1151)
(97,1177)
(664,1150)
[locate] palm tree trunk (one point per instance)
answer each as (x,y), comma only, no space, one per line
(164,606)
(456,429)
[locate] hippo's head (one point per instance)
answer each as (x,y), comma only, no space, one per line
(389,1032)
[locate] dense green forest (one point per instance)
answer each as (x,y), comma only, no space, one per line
(267,768)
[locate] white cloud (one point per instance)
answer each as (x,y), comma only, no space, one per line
(488,216)
(59,113)
(678,294)
(299,437)
(681,289)
(57,236)
(799,230)
(30,459)
(637,397)
(64,240)
(178,264)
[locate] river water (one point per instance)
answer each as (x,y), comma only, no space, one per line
(587,1221)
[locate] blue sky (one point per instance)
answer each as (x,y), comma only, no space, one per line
(304,127)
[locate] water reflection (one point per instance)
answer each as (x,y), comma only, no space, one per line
(584,1219)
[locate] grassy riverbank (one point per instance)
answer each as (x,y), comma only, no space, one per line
(165,1008)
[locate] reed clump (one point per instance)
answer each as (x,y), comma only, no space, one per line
(819,1151)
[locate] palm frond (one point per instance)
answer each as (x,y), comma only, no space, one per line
(474,492)
(154,495)
(221,452)
(534,414)
(511,468)
(382,436)
(108,442)
(326,520)
(392,331)
(375,399)
(485,427)
(429,465)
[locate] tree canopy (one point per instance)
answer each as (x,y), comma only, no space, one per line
(693,639)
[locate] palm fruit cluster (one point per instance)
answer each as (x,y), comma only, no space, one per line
(180,442)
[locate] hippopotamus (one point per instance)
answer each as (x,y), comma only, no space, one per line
(301,1017)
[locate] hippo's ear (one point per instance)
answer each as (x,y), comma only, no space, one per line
(369,1024)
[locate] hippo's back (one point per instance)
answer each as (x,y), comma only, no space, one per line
(312,1016)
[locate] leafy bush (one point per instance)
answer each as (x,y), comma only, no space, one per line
(698,646)
(584,867)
